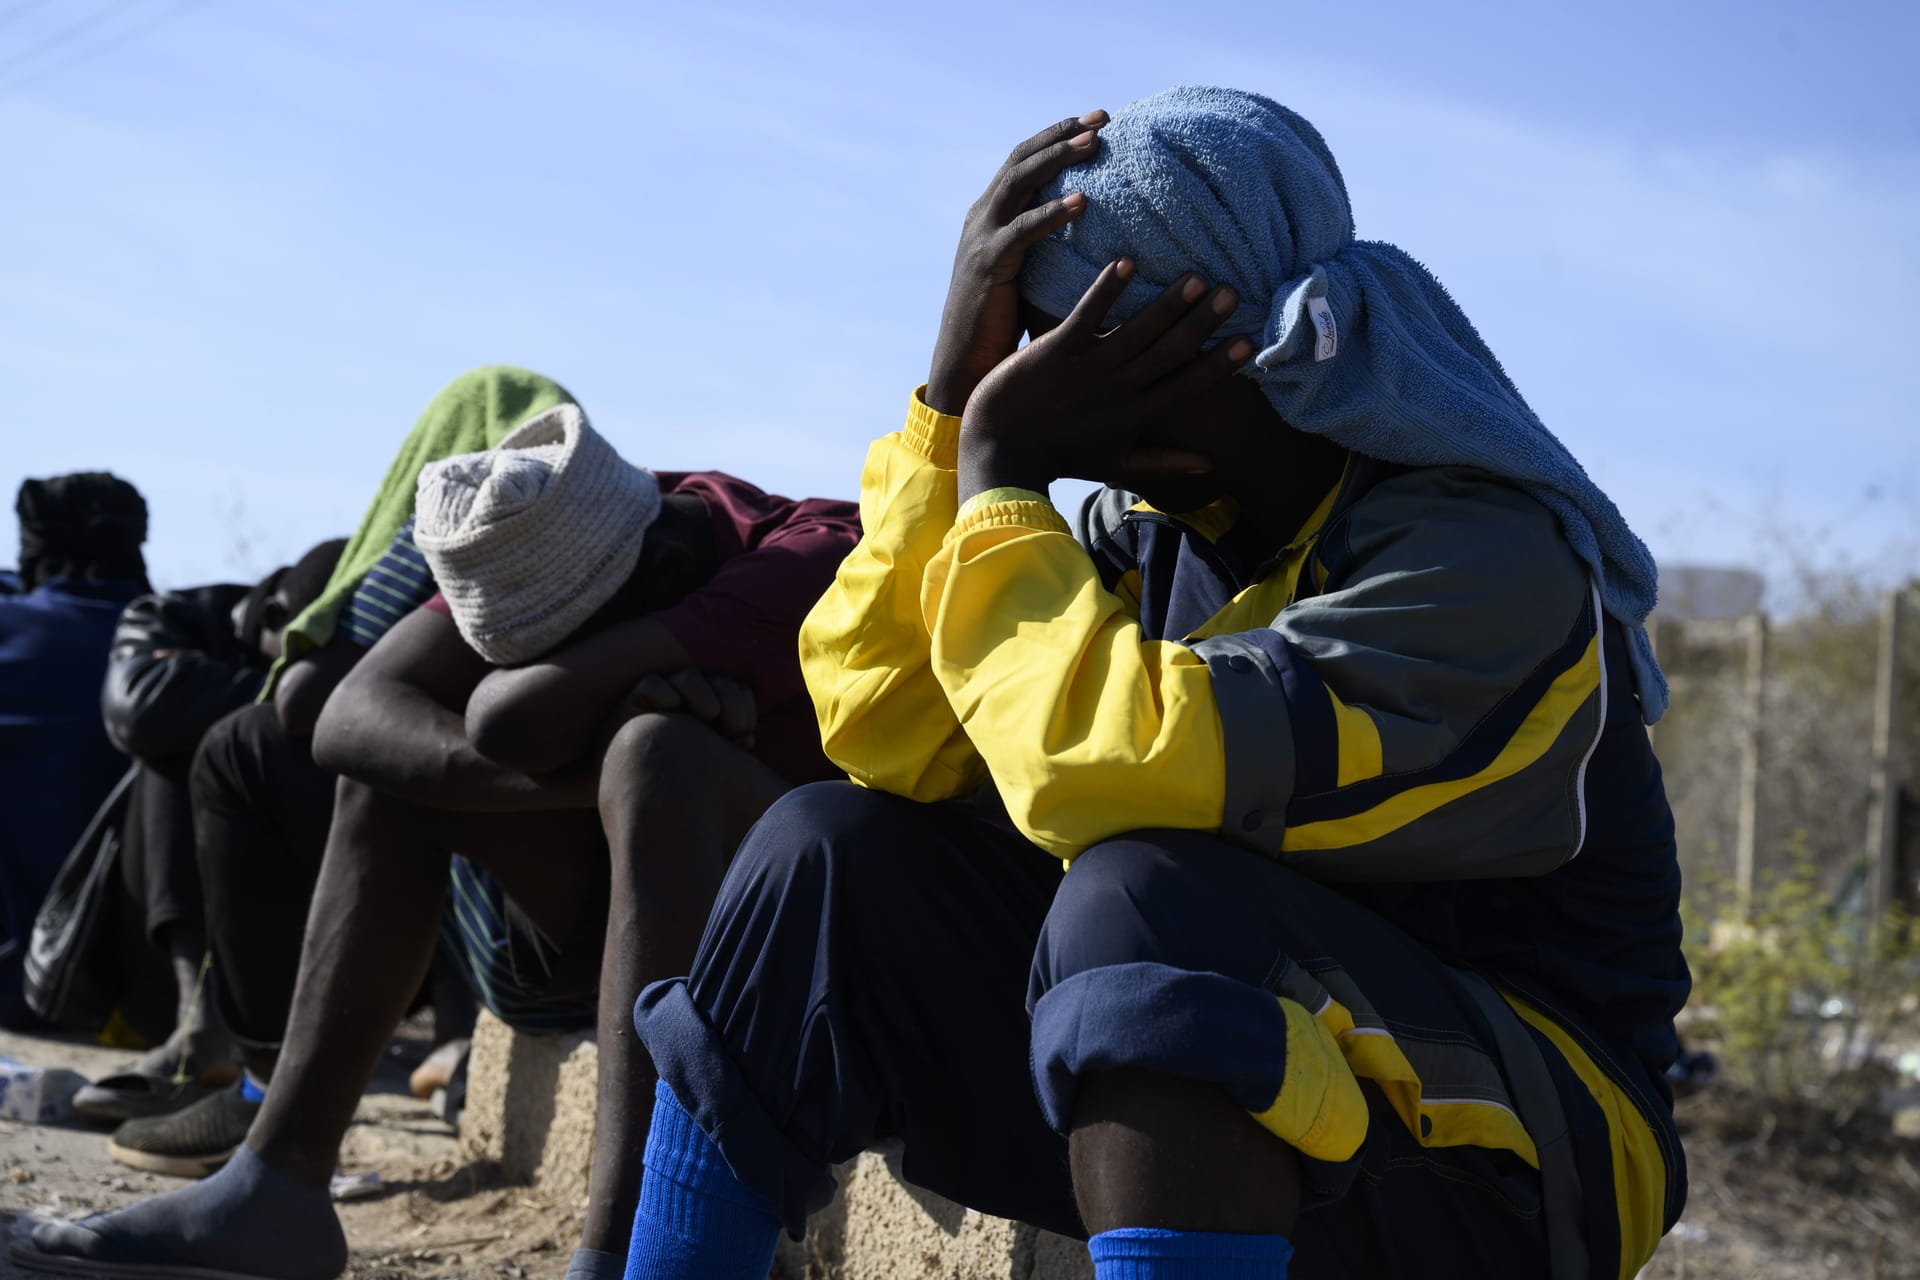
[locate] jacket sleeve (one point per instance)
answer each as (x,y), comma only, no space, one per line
(884,718)
(1427,718)
(1087,728)
(158,707)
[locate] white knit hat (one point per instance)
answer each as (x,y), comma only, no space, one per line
(529,539)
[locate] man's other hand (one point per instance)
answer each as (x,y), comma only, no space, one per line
(721,701)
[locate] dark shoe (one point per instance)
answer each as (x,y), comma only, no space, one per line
(190,1143)
(134,1095)
(187,1068)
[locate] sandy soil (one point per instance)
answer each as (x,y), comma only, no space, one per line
(434,1218)
(1775,1196)
(1783,1194)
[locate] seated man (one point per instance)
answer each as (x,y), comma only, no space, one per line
(182,660)
(262,807)
(518,719)
(80,564)
(1368,952)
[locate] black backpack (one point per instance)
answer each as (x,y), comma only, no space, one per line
(72,978)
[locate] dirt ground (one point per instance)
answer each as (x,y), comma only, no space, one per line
(1774,1196)
(1782,1194)
(435,1216)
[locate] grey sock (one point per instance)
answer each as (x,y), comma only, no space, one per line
(247,1218)
(596,1264)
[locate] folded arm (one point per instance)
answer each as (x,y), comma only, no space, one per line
(550,712)
(397,723)
(307,683)
(398,583)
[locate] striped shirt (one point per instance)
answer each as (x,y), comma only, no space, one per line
(398,583)
(507,970)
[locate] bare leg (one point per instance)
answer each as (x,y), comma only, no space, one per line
(369,938)
(369,941)
(200,1036)
(675,799)
(1152,1150)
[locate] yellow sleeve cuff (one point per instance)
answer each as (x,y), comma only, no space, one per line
(1008,507)
(933,435)
(992,497)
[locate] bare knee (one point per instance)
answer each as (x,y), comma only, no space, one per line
(658,754)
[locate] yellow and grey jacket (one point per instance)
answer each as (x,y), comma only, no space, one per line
(1420,690)
(1380,701)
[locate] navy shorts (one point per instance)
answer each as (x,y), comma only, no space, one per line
(879,969)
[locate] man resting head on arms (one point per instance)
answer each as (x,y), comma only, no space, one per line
(603,700)
(1368,952)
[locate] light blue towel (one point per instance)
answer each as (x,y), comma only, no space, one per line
(1358,342)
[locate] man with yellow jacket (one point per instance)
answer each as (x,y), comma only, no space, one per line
(1367,952)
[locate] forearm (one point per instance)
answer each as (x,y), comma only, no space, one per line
(983,465)
(304,687)
(398,740)
(549,714)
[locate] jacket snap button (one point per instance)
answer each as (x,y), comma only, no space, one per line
(1240,662)
(1253,821)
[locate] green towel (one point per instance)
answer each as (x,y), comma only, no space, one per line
(474,412)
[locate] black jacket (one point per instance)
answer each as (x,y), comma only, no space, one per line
(157,708)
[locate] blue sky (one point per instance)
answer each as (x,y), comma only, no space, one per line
(241,249)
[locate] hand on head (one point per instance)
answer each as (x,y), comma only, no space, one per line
(980,325)
(1077,401)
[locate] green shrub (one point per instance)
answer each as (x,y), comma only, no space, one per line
(1798,996)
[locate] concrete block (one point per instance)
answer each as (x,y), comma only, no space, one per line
(880,1227)
(530,1106)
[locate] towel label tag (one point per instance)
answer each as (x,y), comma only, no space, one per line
(1326,333)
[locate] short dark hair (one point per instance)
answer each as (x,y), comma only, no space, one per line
(279,598)
(310,574)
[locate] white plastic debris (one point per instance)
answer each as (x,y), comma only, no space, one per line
(355,1186)
(37,1095)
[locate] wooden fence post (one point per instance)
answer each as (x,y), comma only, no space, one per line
(1753,740)
(1883,787)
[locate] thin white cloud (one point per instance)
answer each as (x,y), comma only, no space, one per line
(730,235)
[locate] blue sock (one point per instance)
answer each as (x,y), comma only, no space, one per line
(252,1088)
(1142,1253)
(696,1220)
